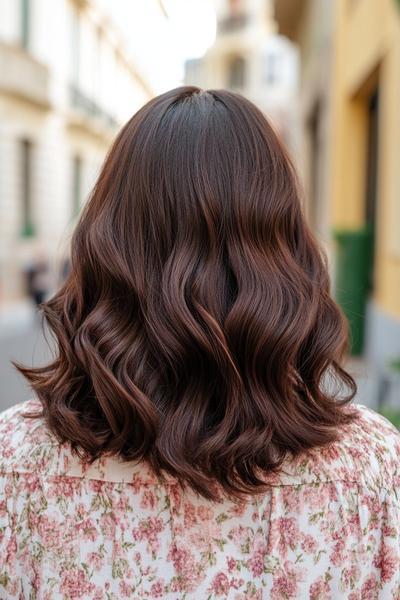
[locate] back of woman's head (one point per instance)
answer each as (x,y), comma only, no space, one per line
(196,329)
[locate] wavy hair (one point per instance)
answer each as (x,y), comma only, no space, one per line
(196,330)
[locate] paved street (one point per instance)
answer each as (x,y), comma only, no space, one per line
(367,381)
(20,339)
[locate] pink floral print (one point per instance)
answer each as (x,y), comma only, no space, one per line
(327,528)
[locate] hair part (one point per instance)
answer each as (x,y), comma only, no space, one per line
(196,330)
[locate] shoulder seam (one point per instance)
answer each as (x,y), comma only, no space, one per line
(377,487)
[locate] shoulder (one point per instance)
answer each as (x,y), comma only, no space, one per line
(27,445)
(374,438)
(367,452)
(24,441)
(375,425)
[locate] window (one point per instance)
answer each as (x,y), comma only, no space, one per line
(27,229)
(25,22)
(98,66)
(272,67)
(76,185)
(236,72)
(75,46)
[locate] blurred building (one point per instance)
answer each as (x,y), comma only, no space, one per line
(350,99)
(309,25)
(248,57)
(67,83)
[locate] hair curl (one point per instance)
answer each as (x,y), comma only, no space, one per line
(196,330)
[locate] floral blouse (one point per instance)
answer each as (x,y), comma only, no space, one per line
(327,528)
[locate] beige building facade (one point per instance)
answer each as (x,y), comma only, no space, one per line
(67,83)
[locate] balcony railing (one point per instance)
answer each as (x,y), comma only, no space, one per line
(23,76)
(82,102)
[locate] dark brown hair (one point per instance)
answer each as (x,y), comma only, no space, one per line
(196,330)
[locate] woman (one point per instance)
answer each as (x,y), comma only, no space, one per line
(193,437)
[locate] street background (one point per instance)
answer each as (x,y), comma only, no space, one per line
(327,75)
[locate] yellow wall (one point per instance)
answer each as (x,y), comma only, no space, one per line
(367,49)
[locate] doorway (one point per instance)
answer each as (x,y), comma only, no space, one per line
(371,175)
